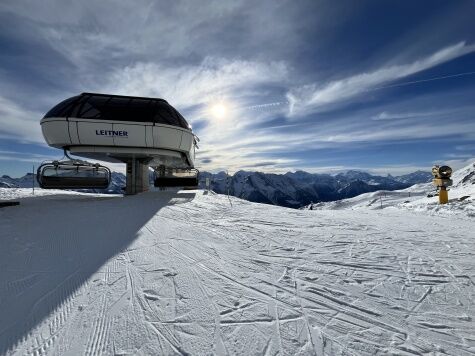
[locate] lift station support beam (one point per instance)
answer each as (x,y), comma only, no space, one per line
(137,176)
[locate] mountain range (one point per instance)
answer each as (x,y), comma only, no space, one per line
(292,189)
(296,189)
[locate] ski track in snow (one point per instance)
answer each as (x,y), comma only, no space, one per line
(190,273)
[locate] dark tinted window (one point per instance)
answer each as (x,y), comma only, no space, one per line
(182,120)
(89,112)
(63,108)
(117,109)
(93,107)
(98,102)
(163,115)
(103,107)
(142,109)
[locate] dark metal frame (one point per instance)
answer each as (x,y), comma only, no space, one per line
(61,182)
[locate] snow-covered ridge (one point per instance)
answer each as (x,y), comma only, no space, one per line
(416,198)
(297,189)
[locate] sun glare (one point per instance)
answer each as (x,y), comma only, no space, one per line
(219,110)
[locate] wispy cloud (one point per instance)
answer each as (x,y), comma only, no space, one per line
(467,147)
(457,163)
(255,57)
(314,97)
(398,133)
(191,85)
(194,88)
(407,115)
(396,169)
(17,123)
(458,155)
(31,157)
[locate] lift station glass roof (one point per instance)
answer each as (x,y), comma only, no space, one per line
(119,108)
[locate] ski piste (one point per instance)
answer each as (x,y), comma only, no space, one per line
(193,272)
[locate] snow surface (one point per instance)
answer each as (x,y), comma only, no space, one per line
(193,272)
(415,198)
(16,193)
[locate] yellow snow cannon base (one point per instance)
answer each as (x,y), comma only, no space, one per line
(443,196)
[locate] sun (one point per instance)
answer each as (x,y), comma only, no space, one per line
(219,110)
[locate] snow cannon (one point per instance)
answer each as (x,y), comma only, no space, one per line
(138,131)
(442,180)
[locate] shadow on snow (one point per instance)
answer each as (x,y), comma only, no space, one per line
(52,245)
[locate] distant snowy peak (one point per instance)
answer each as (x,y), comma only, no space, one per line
(464,176)
(27,181)
(354,188)
(296,189)
(303,176)
(415,177)
(355,175)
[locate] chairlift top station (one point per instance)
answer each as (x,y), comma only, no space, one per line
(141,132)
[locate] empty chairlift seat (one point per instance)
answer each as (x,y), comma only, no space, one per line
(177,178)
(73,175)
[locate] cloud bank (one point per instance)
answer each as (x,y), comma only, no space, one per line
(313,97)
(285,84)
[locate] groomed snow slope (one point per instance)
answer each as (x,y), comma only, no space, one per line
(195,273)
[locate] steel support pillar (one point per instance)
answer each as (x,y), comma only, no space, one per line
(137,176)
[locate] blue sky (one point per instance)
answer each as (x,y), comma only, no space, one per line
(322,86)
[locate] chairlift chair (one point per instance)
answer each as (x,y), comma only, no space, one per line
(73,174)
(176,178)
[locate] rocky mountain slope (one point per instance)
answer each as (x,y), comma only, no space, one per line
(296,189)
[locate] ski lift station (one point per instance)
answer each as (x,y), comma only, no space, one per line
(140,132)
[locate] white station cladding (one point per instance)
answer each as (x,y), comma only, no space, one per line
(116,128)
